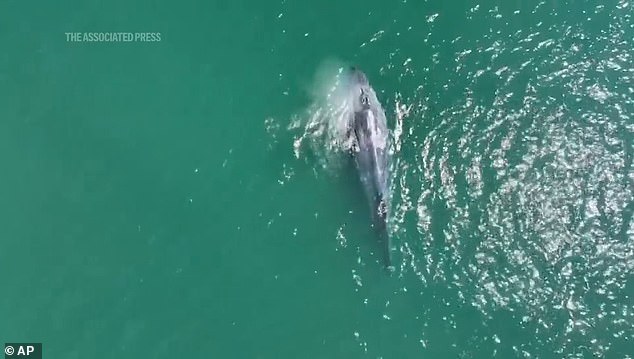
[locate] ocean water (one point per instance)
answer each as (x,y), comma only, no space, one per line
(170,199)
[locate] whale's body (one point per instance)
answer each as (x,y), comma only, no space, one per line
(367,128)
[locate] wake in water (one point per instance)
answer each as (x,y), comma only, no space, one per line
(324,124)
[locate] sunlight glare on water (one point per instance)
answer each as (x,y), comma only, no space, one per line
(522,196)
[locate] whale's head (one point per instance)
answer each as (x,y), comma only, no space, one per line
(363,96)
(358,77)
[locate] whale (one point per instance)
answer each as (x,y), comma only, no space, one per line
(368,135)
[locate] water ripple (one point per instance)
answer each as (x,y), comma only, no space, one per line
(522,199)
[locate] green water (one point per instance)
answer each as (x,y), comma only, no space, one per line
(161,200)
